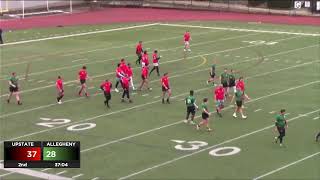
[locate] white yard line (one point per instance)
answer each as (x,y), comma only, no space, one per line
(240,29)
(77,60)
(6,174)
(179,75)
(286,166)
(272,112)
(46,169)
(96,178)
(178,122)
(145,95)
(316,118)
(33,173)
(76,176)
(208,148)
(62,172)
(78,34)
(257,110)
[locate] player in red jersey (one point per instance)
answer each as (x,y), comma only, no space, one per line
(119,75)
(155,60)
(126,90)
(187,38)
(59,86)
(139,51)
(165,87)
(144,76)
(219,97)
(106,88)
(123,66)
(145,59)
(83,76)
(130,75)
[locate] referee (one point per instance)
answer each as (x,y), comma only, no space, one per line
(281,125)
(1,41)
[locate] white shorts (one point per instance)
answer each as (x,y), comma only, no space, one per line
(143,64)
(155,64)
(186,43)
(234,89)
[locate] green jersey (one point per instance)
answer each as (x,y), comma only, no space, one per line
(232,79)
(280,121)
(213,68)
(204,106)
(190,100)
(224,77)
(239,95)
(14,80)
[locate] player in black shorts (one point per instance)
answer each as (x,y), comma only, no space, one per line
(212,74)
(1,41)
(191,107)
(232,83)
(14,88)
(224,78)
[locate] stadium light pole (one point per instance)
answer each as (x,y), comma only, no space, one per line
(70,6)
(47,5)
(22,8)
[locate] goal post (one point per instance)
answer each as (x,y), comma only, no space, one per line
(25,8)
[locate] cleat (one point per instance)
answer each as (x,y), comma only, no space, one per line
(207,82)
(60,102)
(280,145)
(209,129)
(244,117)
(19,103)
(116,90)
(130,101)
(185,121)
(8,101)
(168,102)
(192,123)
(234,115)
(198,127)
(162,101)
(276,140)
(122,100)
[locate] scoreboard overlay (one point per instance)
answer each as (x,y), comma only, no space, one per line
(41,154)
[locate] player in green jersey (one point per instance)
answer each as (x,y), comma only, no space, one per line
(239,96)
(224,78)
(14,88)
(191,107)
(205,115)
(212,74)
(281,125)
(232,82)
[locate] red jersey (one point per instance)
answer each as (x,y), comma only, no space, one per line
(123,67)
(139,48)
(144,72)
(165,82)
(83,74)
(129,72)
(145,59)
(106,86)
(59,84)
(240,85)
(219,93)
(119,72)
(125,83)
(155,58)
(186,36)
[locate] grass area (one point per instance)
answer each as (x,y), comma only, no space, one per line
(138,140)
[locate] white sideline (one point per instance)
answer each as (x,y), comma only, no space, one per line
(208,148)
(178,75)
(239,29)
(33,173)
(285,166)
(179,122)
(79,34)
(206,54)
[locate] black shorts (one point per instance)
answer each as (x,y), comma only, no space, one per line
(212,75)
(232,83)
(192,110)
(205,115)
(225,84)
(13,89)
(164,89)
(82,81)
(281,130)
(239,103)
(107,95)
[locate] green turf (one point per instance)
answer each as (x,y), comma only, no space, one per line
(137,138)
